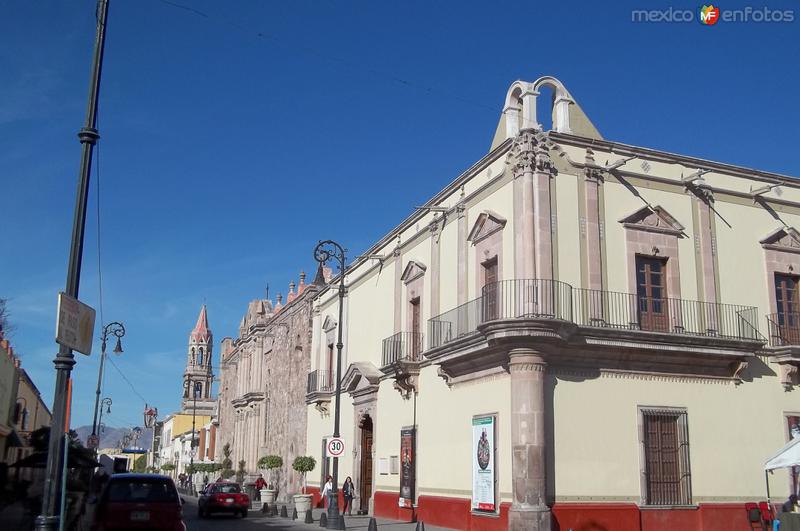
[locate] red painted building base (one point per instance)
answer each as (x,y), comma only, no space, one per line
(455,513)
(316,497)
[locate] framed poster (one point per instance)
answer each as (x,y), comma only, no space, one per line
(793,428)
(408,438)
(483,463)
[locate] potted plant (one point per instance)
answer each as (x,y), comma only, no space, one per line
(241,472)
(303,464)
(227,462)
(270,463)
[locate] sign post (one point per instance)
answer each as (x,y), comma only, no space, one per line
(335,447)
(75,325)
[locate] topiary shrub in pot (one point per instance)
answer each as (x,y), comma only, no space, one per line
(270,463)
(303,464)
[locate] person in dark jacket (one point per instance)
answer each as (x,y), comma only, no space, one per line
(348,491)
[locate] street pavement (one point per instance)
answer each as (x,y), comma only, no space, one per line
(256,520)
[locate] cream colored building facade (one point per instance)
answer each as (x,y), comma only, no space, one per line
(623,316)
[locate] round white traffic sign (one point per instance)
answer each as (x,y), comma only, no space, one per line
(335,447)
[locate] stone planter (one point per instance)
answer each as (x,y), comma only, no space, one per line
(268,495)
(302,502)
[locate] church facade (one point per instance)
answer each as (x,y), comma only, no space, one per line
(573,332)
(263,382)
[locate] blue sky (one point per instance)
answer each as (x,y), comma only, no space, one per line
(235,138)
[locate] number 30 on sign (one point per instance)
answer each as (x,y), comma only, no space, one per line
(335,447)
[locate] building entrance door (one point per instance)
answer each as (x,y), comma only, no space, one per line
(365,489)
(651,291)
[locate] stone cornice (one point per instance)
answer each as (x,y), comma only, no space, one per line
(665,156)
(595,350)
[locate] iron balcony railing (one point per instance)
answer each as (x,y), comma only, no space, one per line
(320,381)
(784,329)
(551,299)
(458,322)
(402,346)
(609,309)
(525,299)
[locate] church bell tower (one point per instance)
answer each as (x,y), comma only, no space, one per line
(197,377)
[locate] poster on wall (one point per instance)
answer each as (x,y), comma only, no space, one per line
(793,423)
(407,450)
(483,465)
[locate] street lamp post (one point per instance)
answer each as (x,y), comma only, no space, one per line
(191,385)
(150,420)
(65,359)
(115,329)
(324,251)
(106,402)
(136,434)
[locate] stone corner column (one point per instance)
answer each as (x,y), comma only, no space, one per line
(528,511)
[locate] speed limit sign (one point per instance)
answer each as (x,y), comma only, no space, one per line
(335,447)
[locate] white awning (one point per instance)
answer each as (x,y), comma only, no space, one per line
(787,456)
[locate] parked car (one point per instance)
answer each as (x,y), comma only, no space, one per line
(222,497)
(139,501)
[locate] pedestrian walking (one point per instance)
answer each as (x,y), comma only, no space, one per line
(260,484)
(348,491)
(327,490)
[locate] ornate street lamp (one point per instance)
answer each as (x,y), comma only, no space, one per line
(111,329)
(136,434)
(323,252)
(106,402)
(191,386)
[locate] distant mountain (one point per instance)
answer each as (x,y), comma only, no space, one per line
(111,437)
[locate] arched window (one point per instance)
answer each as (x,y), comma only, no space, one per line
(200,357)
(198,390)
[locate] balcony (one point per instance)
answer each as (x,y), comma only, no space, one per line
(402,355)
(321,385)
(626,311)
(784,342)
(626,331)
(455,324)
(402,346)
(784,329)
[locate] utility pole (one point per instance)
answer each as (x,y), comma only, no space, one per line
(88,135)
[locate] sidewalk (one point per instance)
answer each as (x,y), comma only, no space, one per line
(351,522)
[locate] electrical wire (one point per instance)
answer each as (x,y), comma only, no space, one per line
(100,275)
(137,393)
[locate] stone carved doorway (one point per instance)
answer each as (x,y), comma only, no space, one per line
(365,486)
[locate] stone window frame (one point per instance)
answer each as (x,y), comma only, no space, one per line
(782,256)
(414,279)
(487,238)
(329,328)
(653,232)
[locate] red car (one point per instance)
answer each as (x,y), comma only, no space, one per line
(222,497)
(139,501)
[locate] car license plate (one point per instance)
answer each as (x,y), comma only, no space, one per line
(228,500)
(140,516)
